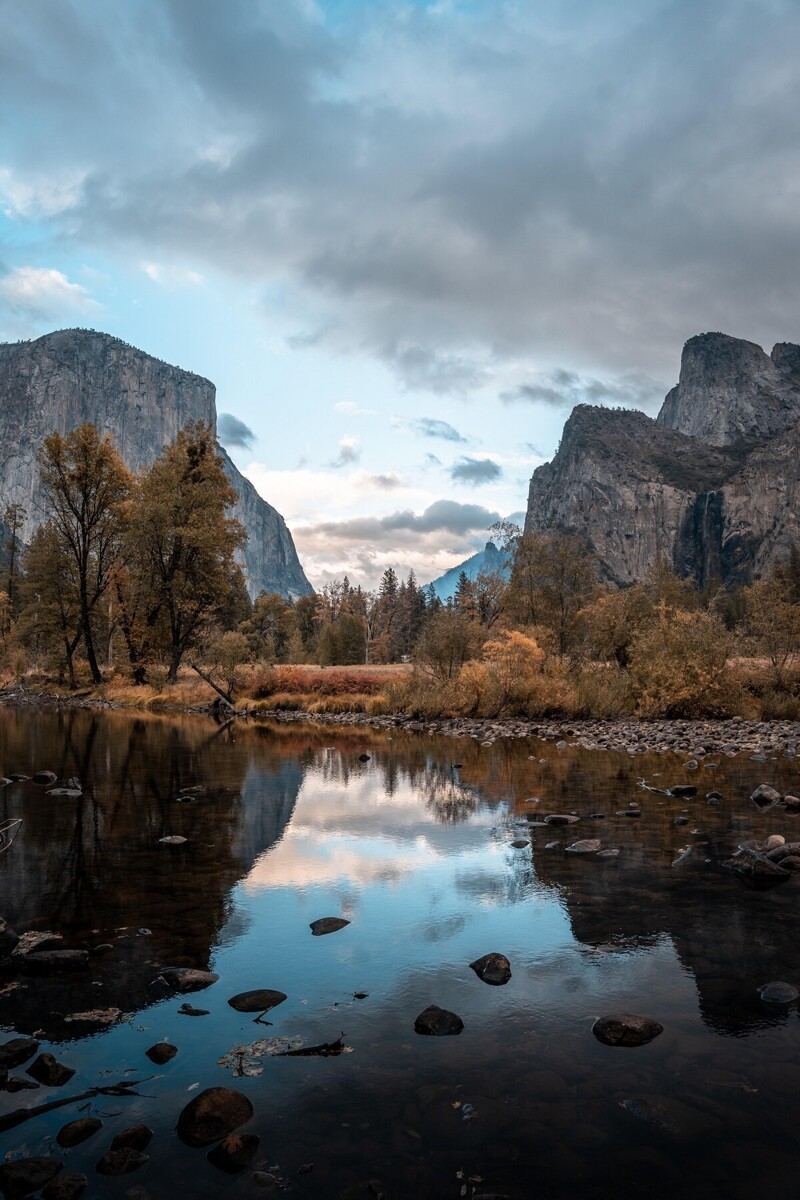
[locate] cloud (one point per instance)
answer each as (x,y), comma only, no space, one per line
(233,432)
(433,428)
(442,516)
(172,276)
(475,471)
(451,188)
(349,452)
(349,406)
(44,294)
(385,483)
(564,389)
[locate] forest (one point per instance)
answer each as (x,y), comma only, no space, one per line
(130,586)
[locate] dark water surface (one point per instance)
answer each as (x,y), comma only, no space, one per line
(416,854)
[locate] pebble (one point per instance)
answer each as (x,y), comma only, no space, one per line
(493,968)
(161,1053)
(438,1022)
(626,1029)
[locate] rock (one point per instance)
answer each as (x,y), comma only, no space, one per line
(71,793)
(187,979)
(493,968)
(520,843)
(26,1175)
(363,758)
(682,789)
(778,993)
(234,1152)
(264,1179)
(791,802)
(18,777)
(327,925)
(713,795)
(188,1010)
(9,940)
(212,1115)
(258,1001)
(47,1071)
(774,842)
(438,1022)
(629,812)
(756,870)
(626,1030)
(608,853)
(121,1162)
(17,1051)
(649,1113)
(681,821)
(585,846)
(44,777)
(173,839)
(161,1053)
(69,1185)
(78,1131)
(765,796)
(15,1083)
(53,962)
(561,819)
(136,1137)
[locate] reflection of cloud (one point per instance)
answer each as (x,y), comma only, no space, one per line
(351,829)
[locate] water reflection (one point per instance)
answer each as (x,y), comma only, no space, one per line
(416,852)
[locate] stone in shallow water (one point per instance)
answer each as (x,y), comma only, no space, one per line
(626,1029)
(765,796)
(52,962)
(608,853)
(46,1070)
(520,843)
(438,1022)
(493,968)
(17,1051)
(27,1175)
(212,1115)
(187,979)
(137,1137)
(162,1052)
(258,1001)
(70,1185)
(121,1162)
(327,925)
(173,839)
(778,993)
(682,789)
(585,846)
(44,777)
(78,1131)
(561,819)
(234,1152)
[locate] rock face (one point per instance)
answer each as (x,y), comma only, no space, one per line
(73,376)
(710,486)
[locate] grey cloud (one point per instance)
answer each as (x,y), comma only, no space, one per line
(233,432)
(442,516)
(449,191)
(433,428)
(564,389)
(475,471)
(349,453)
(385,483)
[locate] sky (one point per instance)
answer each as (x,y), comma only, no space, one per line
(403,239)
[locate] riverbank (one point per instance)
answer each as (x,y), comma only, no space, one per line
(696,740)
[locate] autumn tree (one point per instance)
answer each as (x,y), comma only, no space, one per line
(553,576)
(86,485)
(774,623)
(50,618)
(182,541)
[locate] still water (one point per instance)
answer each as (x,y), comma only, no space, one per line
(416,853)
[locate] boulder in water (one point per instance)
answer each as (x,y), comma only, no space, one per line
(212,1115)
(493,968)
(438,1022)
(626,1029)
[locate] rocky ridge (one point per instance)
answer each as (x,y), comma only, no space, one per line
(72,376)
(711,485)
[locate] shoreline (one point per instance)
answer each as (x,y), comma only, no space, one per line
(632,735)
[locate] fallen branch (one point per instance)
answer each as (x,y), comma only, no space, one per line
(226,696)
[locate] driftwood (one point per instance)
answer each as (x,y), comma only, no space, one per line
(20,1115)
(325,1050)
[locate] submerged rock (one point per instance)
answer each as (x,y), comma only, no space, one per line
(161,1053)
(258,1001)
(78,1131)
(438,1022)
(585,846)
(187,979)
(173,839)
(52,962)
(69,1185)
(121,1162)
(493,968)
(17,1051)
(136,1137)
(212,1115)
(46,1070)
(520,843)
(682,789)
(765,796)
(327,925)
(649,1112)
(778,993)
(44,777)
(626,1030)
(234,1152)
(188,1010)
(26,1175)
(561,819)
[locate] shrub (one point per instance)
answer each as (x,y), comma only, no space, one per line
(679,666)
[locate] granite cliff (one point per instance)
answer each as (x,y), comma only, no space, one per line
(73,376)
(711,485)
